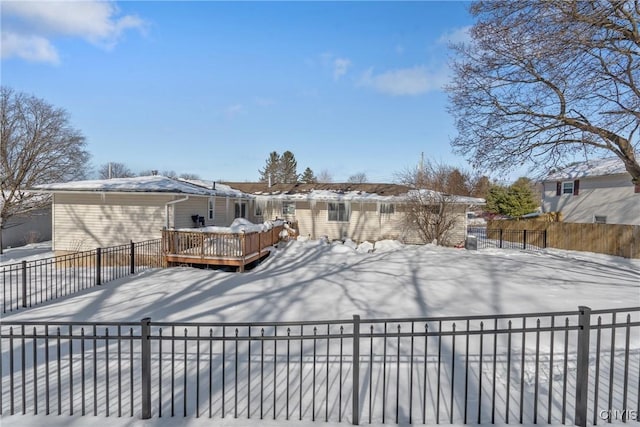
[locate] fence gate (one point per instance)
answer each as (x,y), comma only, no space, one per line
(508,239)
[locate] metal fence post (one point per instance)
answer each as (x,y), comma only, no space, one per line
(145,344)
(24,283)
(501,238)
(524,239)
(582,372)
(133,257)
(355,410)
(98,266)
(544,239)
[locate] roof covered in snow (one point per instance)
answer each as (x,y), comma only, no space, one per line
(589,168)
(141,184)
(339,191)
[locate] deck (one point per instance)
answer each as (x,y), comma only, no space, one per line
(220,249)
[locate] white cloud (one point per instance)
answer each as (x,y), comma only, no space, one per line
(98,22)
(340,67)
(456,35)
(329,61)
(406,81)
(30,48)
(234,111)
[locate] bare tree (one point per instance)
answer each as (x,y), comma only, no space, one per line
(431,211)
(114,170)
(431,215)
(543,82)
(189,176)
(325,177)
(358,178)
(38,146)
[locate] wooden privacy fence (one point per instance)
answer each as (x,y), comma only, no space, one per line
(610,239)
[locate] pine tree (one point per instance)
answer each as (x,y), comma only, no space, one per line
(271,171)
(288,168)
(308,177)
(514,201)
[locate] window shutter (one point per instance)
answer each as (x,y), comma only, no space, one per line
(558,188)
(576,187)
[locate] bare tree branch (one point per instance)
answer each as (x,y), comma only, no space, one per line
(544,82)
(38,146)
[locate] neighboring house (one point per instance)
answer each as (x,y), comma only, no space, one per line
(31,225)
(339,211)
(102,213)
(595,191)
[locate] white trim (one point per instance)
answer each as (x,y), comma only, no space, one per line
(166,208)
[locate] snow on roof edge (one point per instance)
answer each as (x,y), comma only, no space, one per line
(590,168)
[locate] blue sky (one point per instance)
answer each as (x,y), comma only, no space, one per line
(212,88)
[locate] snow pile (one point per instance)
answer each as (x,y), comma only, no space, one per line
(239,225)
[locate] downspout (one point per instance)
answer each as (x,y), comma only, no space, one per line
(166,209)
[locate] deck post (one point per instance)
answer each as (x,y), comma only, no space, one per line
(202,245)
(244,250)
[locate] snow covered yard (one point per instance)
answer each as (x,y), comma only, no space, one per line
(312,280)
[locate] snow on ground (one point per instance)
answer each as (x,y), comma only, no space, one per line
(313,280)
(26,253)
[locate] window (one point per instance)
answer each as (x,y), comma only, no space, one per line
(212,208)
(288,208)
(600,219)
(568,187)
(258,210)
(387,208)
(338,211)
(241,210)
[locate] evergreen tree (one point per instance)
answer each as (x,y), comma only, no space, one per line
(514,201)
(270,173)
(288,168)
(308,177)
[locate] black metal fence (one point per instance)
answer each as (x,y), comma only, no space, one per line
(29,283)
(562,367)
(509,239)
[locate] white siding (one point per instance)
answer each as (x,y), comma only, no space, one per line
(88,221)
(611,196)
(365,222)
(184,210)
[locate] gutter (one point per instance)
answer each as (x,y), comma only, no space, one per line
(166,208)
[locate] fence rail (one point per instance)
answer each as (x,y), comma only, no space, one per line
(577,367)
(29,283)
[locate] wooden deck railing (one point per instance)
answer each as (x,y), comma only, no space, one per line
(236,249)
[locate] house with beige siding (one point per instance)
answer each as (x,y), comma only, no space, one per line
(595,191)
(101,213)
(360,212)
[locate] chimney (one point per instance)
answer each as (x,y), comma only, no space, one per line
(269,181)
(213,187)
